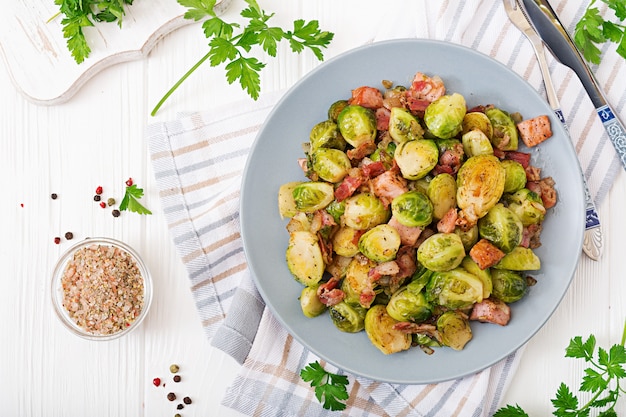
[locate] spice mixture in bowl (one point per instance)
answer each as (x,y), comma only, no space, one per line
(101,289)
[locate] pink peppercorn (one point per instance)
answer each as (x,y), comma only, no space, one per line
(129,182)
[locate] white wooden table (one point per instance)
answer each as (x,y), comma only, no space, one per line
(97,138)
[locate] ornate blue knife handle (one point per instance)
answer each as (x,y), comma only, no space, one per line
(616,131)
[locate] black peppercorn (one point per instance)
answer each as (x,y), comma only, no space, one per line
(176,378)
(53,196)
(116,213)
(187,400)
(180,406)
(69,235)
(171,396)
(96,197)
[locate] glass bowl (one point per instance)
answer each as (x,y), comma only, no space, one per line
(101,289)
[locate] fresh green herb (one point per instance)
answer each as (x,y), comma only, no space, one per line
(329,388)
(78,14)
(131,202)
(592,30)
(602,379)
(231,44)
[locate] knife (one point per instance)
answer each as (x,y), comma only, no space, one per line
(592,241)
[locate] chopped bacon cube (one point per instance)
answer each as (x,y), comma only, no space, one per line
(534,131)
(486,254)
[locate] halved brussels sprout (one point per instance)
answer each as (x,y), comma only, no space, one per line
(508,286)
(286,202)
(442,193)
(505,136)
(455,289)
(406,305)
(480,184)
(310,303)
(501,227)
(345,241)
(412,209)
(336,108)
(357,125)
(454,329)
(441,252)
(364,211)
(477,120)
(348,318)
(379,328)
(483,274)
(444,116)
(326,135)
(357,280)
(331,165)
(416,158)
(469,237)
(527,205)
(420,279)
(514,176)
(380,243)
(403,126)
(312,196)
(336,209)
(304,258)
(475,142)
(520,259)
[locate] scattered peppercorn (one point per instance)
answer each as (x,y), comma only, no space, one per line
(57,240)
(177,415)
(176,378)
(96,197)
(111,201)
(53,196)
(69,235)
(180,406)
(171,396)
(174,368)
(103,204)
(99,190)
(116,213)
(156,382)
(129,182)
(187,400)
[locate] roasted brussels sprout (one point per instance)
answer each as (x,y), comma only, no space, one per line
(527,205)
(441,252)
(304,258)
(444,116)
(454,329)
(455,289)
(331,165)
(336,209)
(364,211)
(348,318)
(501,227)
(480,184)
(406,305)
(519,259)
(379,328)
(505,136)
(357,125)
(380,243)
(412,209)
(357,281)
(310,303)
(475,142)
(312,196)
(336,108)
(442,193)
(326,135)
(508,286)
(420,279)
(469,237)
(416,158)
(514,176)
(477,120)
(345,241)
(286,202)
(483,274)
(403,126)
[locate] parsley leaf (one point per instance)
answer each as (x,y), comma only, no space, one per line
(131,202)
(231,43)
(511,411)
(329,388)
(592,30)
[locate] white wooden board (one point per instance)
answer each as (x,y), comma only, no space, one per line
(37,57)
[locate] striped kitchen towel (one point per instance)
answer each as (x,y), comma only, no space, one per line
(198,161)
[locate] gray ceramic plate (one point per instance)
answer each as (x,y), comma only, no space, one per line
(272,162)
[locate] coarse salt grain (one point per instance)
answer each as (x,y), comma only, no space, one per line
(103,290)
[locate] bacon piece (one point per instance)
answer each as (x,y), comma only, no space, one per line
(408,234)
(384,268)
(389,185)
(491,310)
(371,168)
(534,131)
(450,160)
(530,236)
(363,150)
(548,193)
(347,187)
(382,118)
(423,91)
(447,224)
(407,261)
(368,97)
(485,254)
(522,157)
(329,294)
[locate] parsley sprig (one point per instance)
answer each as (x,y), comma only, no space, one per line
(79,14)
(329,388)
(131,202)
(603,379)
(593,30)
(231,44)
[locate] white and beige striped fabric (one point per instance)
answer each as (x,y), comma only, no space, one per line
(198,161)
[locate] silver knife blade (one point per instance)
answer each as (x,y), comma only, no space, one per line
(556,37)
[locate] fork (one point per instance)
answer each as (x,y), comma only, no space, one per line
(592,245)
